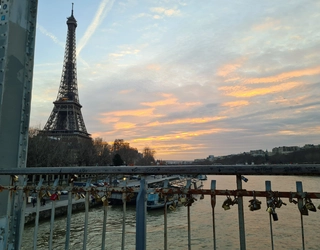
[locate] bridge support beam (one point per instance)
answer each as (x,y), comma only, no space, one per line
(17,42)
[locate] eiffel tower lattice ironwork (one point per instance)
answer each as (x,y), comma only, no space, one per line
(66,118)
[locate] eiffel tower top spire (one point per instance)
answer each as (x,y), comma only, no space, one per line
(66,117)
(68,86)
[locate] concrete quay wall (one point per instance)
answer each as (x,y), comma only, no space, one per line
(60,210)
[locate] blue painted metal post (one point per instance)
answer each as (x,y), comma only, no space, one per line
(268,189)
(141,211)
(300,206)
(17,42)
(241,216)
(213,204)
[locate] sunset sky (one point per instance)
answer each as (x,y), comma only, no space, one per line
(188,78)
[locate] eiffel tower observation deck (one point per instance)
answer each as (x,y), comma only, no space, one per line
(65,120)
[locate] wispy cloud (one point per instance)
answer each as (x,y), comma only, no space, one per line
(104,7)
(57,41)
(284,76)
(243,91)
(49,34)
(183,135)
(235,104)
(125,113)
(166,12)
(186,121)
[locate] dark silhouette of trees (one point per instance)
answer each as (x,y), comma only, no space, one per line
(103,152)
(44,151)
(302,156)
(147,157)
(117,160)
(128,154)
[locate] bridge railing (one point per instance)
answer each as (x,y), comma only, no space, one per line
(30,182)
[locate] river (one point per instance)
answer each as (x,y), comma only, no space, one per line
(287,230)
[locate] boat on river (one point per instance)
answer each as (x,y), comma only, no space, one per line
(202,177)
(155,201)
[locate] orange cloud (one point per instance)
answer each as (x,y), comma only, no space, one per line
(242,91)
(187,120)
(137,112)
(183,135)
(284,76)
(124,125)
(235,104)
(170,101)
(225,70)
(173,148)
(113,117)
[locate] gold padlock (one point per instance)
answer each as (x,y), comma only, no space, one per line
(226,207)
(15,178)
(97,197)
(226,204)
(183,199)
(172,208)
(103,198)
(270,210)
(309,205)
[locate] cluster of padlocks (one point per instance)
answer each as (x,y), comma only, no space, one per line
(272,203)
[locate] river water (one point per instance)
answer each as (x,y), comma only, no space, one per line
(287,230)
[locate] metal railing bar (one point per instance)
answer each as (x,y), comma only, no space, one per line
(141,228)
(188,185)
(242,233)
(189,228)
(165,226)
(300,206)
(276,169)
(86,217)
(165,212)
(213,204)
(268,189)
(53,211)
(67,243)
(21,214)
(36,227)
(104,226)
(124,210)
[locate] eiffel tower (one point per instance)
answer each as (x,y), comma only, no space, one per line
(66,120)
